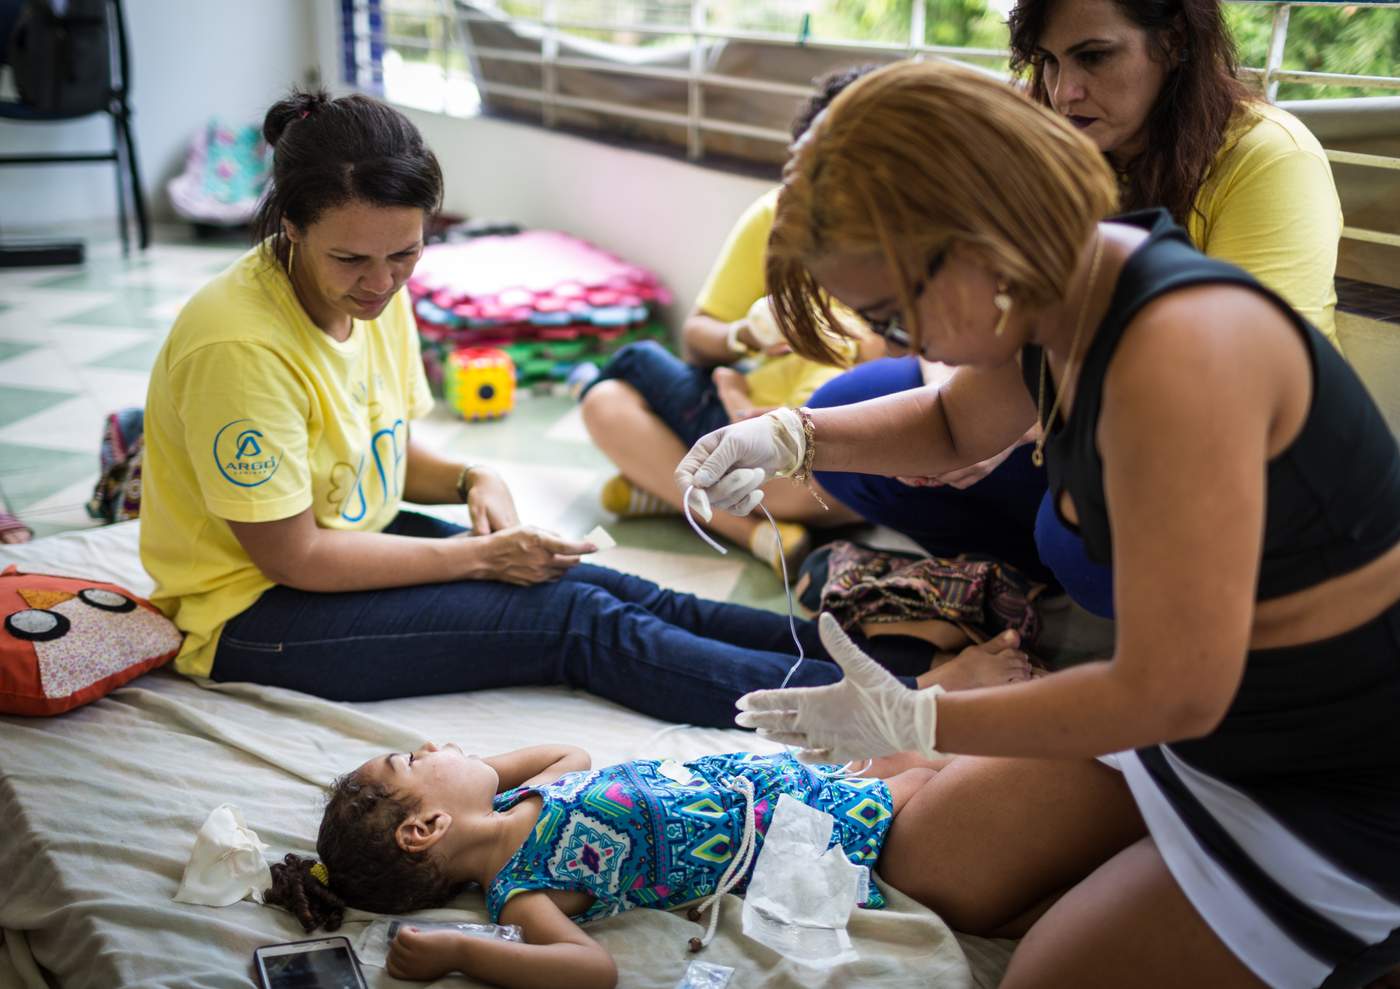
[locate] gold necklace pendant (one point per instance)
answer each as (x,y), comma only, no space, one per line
(1038,454)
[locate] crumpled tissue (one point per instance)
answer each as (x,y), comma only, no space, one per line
(227,863)
(802,892)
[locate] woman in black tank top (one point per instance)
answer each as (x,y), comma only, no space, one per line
(1219,803)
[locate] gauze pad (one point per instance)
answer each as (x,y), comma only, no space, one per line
(227,863)
(600,537)
(802,893)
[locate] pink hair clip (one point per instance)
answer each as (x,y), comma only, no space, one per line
(304,114)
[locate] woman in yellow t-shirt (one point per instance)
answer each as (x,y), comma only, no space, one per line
(648,406)
(1154,85)
(279,453)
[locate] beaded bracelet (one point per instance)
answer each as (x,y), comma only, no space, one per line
(803,474)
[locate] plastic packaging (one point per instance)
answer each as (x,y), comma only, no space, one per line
(705,975)
(373,948)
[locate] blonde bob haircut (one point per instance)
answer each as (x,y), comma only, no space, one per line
(918,156)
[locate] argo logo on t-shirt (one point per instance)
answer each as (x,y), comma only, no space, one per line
(243,454)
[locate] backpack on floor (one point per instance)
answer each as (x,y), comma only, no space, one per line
(61,56)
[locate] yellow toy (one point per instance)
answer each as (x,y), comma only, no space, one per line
(479,382)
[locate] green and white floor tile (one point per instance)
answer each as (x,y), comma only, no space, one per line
(77,343)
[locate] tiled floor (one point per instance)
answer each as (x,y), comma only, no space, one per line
(76,343)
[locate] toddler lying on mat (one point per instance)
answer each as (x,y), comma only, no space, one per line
(553,844)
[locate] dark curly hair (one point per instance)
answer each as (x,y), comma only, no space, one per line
(364,865)
(1187,125)
(330,152)
(828,86)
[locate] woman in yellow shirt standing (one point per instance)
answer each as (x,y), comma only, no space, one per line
(279,454)
(1153,83)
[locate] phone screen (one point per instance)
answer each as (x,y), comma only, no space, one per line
(328,967)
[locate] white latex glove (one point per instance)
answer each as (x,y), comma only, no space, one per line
(729,466)
(863,716)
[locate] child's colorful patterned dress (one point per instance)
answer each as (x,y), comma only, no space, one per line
(658,834)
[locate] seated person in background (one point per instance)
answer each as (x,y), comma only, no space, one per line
(408,831)
(648,407)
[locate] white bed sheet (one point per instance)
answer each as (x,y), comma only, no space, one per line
(99,807)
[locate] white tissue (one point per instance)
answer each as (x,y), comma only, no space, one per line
(599,537)
(227,864)
(802,893)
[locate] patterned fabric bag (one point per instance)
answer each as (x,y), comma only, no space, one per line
(117,496)
(983,597)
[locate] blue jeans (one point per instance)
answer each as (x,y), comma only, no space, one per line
(681,395)
(670,655)
(994,517)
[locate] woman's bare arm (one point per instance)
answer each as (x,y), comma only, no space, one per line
(1184,434)
(974,415)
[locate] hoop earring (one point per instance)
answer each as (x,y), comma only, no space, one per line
(291,253)
(1002,300)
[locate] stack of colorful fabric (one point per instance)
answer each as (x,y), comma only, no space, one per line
(549,300)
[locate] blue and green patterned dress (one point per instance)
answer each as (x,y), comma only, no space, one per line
(658,834)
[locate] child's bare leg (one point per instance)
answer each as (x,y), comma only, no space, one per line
(942,635)
(889,766)
(793,502)
(989,664)
(907,783)
(646,451)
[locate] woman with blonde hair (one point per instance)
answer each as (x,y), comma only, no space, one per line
(1219,802)
(1155,85)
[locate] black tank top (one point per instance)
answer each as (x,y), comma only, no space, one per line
(1333,496)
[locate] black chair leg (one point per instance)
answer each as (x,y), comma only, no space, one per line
(119,152)
(138,198)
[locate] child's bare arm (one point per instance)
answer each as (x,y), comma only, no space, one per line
(537,764)
(556,952)
(904,785)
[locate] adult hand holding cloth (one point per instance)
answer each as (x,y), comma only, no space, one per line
(866,714)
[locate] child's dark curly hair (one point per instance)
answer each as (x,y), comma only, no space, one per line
(364,867)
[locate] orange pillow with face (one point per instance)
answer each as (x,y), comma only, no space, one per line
(66,641)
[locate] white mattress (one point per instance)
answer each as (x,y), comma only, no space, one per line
(99,807)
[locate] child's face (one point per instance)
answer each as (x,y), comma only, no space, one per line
(439,777)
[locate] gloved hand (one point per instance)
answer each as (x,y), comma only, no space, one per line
(863,716)
(727,467)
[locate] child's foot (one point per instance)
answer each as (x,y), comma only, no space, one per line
(622,497)
(992,663)
(794,546)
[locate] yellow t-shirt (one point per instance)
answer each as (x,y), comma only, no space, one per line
(734,284)
(254,415)
(1270,206)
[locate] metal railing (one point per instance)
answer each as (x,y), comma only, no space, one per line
(551,28)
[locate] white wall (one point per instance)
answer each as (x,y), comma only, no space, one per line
(665,214)
(190,60)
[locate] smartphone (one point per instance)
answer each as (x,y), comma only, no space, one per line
(322,963)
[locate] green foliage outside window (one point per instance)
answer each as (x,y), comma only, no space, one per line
(1336,38)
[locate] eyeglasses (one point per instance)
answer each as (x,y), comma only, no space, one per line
(891,329)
